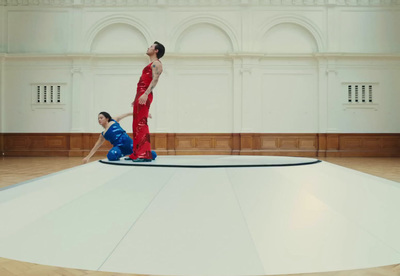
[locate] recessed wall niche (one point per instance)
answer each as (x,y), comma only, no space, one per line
(119,38)
(288,38)
(204,38)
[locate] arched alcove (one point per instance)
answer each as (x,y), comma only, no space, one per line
(288,38)
(203,38)
(119,38)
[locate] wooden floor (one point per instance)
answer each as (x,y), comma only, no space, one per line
(18,169)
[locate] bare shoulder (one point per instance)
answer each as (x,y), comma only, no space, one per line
(157,65)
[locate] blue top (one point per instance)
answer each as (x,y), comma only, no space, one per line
(114,133)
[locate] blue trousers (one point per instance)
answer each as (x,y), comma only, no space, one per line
(122,148)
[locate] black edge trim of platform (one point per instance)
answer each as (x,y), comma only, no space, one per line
(146,164)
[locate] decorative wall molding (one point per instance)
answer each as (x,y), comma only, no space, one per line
(280,144)
(208,19)
(203,3)
(301,21)
(174,55)
(110,20)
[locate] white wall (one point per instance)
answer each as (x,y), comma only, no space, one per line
(383,115)
(2,50)
(251,66)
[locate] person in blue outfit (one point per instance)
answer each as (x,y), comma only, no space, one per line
(116,135)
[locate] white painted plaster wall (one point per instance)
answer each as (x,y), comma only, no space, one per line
(247,66)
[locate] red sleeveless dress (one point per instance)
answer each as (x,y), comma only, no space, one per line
(141,134)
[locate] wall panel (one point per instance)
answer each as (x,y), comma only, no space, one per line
(377,37)
(38,31)
(280,144)
(287,92)
(204,100)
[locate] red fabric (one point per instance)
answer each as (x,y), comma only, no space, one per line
(141,135)
(146,78)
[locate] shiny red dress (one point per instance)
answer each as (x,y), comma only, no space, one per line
(141,135)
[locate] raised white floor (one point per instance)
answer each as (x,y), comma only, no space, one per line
(204,221)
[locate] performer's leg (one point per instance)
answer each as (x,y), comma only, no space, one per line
(126,145)
(134,127)
(141,136)
(114,154)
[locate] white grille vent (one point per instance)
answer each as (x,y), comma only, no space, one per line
(355,90)
(48,96)
(360,95)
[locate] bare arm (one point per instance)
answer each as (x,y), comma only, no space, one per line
(98,144)
(156,71)
(120,117)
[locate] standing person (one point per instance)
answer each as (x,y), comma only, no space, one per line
(113,132)
(141,105)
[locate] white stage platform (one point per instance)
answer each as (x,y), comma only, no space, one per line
(207,215)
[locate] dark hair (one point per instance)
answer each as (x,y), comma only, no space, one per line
(107,115)
(160,48)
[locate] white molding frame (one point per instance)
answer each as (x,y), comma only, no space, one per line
(201,19)
(236,55)
(110,20)
(301,21)
(203,3)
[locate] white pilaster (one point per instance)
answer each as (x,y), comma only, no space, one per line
(322,96)
(332,23)
(237,96)
(249,96)
(331,73)
(2,115)
(76,42)
(3,29)
(76,101)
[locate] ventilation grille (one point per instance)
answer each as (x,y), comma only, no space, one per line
(48,95)
(361,95)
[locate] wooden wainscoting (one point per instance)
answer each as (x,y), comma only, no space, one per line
(284,144)
(51,144)
(287,144)
(362,145)
(194,144)
(2,143)
(36,144)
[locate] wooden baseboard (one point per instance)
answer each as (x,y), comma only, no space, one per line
(362,145)
(2,144)
(283,144)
